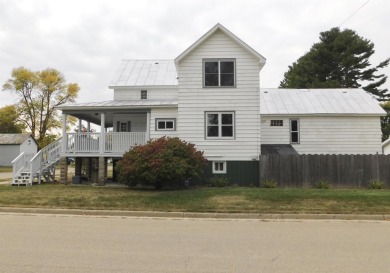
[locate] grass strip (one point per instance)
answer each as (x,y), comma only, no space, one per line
(234,199)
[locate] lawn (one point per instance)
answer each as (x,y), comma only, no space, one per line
(234,199)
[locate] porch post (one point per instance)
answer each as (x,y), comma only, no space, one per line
(80,125)
(102,133)
(88,127)
(147,135)
(64,139)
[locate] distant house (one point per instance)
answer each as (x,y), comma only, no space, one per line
(11,145)
(321,121)
(386,147)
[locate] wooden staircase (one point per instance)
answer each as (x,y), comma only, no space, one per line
(30,168)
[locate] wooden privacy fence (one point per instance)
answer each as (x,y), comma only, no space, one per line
(338,170)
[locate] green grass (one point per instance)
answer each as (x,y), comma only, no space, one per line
(4,169)
(235,199)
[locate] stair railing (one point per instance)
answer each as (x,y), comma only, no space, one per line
(20,163)
(44,158)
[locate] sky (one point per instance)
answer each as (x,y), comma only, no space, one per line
(86,40)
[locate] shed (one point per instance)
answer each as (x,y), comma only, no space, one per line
(12,145)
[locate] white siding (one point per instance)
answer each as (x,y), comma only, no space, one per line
(162,113)
(194,100)
(8,153)
(153,93)
(29,146)
(327,135)
(138,121)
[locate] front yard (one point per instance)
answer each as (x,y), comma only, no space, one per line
(233,199)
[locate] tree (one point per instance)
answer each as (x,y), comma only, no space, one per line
(160,162)
(339,60)
(40,92)
(9,120)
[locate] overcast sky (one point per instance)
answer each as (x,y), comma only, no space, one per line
(86,40)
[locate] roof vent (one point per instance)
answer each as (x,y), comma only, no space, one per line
(265,91)
(156,63)
(344,91)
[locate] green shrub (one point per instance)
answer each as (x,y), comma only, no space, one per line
(376,185)
(323,184)
(161,162)
(270,184)
(219,181)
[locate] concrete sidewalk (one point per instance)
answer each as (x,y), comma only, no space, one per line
(158,214)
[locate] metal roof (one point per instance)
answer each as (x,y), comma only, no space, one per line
(278,149)
(145,73)
(13,139)
(318,101)
(118,104)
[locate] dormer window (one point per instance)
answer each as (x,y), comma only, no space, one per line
(219,73)
(144,94)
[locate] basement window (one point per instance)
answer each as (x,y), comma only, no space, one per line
(219,166)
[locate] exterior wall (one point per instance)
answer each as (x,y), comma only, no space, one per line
(29,146)
(8,153)
(138,121)
(386,148)
(194,100)
(327,135)
(154,93)
(162,113)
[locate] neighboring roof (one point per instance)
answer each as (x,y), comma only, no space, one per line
(318,102)
(145,73)
(118,104)
(386,142)
(277,149)
(229,34)
(13,139)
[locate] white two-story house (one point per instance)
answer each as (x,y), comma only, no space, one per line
(210,96)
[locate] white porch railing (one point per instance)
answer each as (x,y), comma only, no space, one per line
(22,162)
(114,142)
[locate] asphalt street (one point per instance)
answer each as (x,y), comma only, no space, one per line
(64,243)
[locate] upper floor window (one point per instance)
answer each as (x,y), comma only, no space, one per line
(219,125)
(144,94)
(294,131)
(276,122)
(219,73)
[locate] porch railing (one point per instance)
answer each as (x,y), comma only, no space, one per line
(114,142)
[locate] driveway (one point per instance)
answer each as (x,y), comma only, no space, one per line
(53,243)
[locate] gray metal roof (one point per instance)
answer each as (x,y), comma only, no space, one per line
(145,73)
(318,101)
(13,139)
(124,104)
(278,149)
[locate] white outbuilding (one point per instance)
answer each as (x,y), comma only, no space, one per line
(11,145)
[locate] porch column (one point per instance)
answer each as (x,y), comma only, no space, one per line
(88,126)
(63,170)
(102,134)
(147,135)
(64,139)
(101,171)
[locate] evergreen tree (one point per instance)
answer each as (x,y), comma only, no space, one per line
(339,60)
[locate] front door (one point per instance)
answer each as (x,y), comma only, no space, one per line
(124,126)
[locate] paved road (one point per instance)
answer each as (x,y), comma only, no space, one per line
(49,243)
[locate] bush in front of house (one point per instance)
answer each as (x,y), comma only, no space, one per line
(161,162)
(376,184)
(218,181)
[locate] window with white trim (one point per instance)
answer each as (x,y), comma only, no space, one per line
(219,73)
(144,94)
(219,125)
(165,124)
(219,166)
(294,131)
(276,122)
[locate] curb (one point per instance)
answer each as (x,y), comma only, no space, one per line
(199,215)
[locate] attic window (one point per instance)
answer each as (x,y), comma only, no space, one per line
(219,72)
(144,94)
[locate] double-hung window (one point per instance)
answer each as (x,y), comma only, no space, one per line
(294,131)
(219,125)
(219,73)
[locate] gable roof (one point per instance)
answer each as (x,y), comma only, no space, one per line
(226,32)
(145,73)
(13,139)
(318,102)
